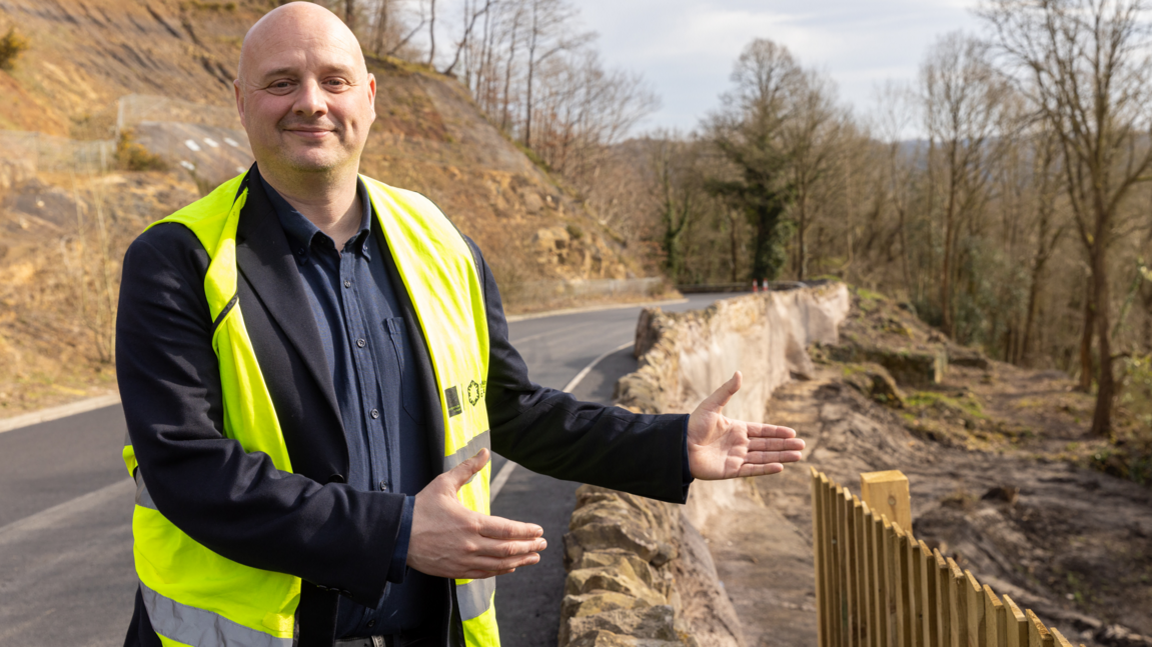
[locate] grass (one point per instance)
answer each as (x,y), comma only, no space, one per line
(12,45)
(134,157)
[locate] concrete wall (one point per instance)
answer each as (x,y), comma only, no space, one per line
(685,356)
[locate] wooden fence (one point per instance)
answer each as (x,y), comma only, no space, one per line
(878,586)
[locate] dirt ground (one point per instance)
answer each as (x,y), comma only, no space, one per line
(1002,479)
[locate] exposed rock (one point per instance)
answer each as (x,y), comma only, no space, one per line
(875,382)
(911,367)
(601,638)
(1120,636)
(970,357)
(638,571)
(650,622)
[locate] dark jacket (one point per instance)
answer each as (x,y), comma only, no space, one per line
(310,523)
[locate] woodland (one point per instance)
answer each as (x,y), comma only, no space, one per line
(1002,195)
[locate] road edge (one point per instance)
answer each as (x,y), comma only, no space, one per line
(597,308)
(55,413)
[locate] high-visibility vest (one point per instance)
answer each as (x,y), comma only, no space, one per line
(198,598)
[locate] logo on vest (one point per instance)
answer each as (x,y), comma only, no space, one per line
(476,390)
(451,396)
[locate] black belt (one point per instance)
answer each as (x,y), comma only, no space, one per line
(419,638)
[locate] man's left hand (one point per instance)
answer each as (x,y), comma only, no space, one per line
(722,448)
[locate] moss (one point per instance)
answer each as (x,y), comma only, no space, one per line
(865,293)
(964,405)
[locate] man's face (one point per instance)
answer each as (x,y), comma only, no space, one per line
(305,98)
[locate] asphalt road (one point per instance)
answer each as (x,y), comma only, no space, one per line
(66,573)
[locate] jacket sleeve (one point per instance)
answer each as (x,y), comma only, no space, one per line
(235,503)
(551,432)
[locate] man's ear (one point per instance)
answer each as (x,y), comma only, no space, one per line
(239,100)
(372,94)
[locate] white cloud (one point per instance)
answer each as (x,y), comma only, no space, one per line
(686,47)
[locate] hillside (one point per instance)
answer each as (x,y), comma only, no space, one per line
(158,75)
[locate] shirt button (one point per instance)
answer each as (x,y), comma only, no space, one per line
(371,623)
(347,283)
(383,486)
(360,342)
(375,414)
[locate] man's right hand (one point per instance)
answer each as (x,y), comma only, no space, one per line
(449,540)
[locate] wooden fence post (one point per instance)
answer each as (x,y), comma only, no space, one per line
(819,558)
(852,619)
(887,493)
(860,558)
(995,620)
(1017,624)
(959,604)
(975,595)
(1038,634)
(944,597)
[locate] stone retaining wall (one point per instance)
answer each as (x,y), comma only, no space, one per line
(639,572)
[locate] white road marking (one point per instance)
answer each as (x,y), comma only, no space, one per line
(124,489)
(506,471)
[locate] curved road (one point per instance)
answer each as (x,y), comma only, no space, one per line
(66,574)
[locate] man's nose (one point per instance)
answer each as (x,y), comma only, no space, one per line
(310,100)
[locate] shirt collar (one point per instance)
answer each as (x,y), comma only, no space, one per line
(302,232)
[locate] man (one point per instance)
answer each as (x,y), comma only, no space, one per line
(313,366)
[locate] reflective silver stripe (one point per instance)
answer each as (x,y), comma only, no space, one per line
(479,441)
(475,597)
(143,499)
(201,628)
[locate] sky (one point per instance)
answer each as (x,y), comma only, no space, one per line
(686,48)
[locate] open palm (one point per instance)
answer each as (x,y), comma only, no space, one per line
(722,448)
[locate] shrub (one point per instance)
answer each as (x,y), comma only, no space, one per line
(11,46)
(134,157)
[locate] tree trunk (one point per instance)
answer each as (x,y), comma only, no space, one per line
(432,35)
(732,241)
(1086,339)
(1105,383)
(802,256)
(1024,353)
(949,234)
(350,14)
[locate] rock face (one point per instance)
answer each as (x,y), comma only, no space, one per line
(640,573)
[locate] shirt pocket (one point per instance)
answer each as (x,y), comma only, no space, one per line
(410,391)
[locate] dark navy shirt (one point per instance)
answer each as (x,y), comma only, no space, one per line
(374,374)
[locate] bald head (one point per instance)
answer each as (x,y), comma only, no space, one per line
(294,25)
(305,97)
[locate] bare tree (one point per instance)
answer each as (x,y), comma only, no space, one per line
(549,33)
(1085,65)
(962,99)
(471,15)
(810,134)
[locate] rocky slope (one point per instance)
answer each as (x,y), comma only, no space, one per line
(1004,477)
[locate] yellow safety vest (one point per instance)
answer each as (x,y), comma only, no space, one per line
(198,598)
